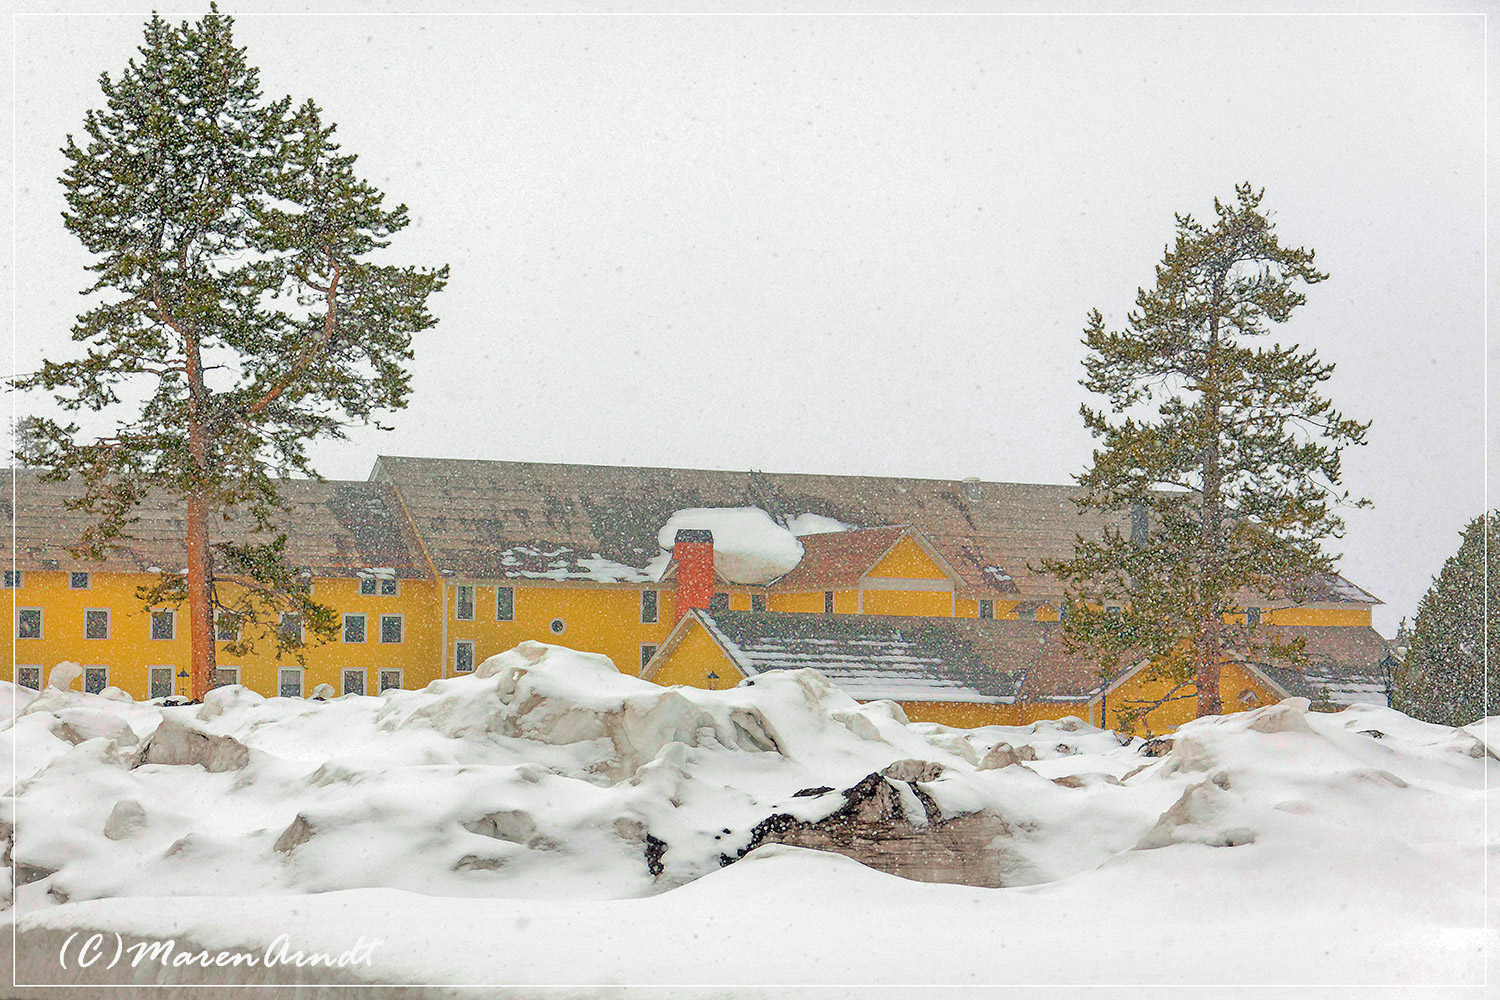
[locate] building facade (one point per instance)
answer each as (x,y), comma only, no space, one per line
(432,565)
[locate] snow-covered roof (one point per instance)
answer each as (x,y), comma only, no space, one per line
(870,656)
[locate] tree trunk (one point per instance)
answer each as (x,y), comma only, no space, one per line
(200,601)
(1210,642)
(200,565)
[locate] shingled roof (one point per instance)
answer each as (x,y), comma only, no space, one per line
(334,528)
(470,511)
(484,519)
(1346,665)
(898,657)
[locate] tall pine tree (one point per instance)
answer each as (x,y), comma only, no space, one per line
(1220,448)
(235,294)
(1443,677)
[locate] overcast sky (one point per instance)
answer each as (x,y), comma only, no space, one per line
(864,244)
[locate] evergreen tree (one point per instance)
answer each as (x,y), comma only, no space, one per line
(235,294)
(1231,483)
(1442,678)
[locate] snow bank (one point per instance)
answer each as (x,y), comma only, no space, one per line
(575,796)
(749,547)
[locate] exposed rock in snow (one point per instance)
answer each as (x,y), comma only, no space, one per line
(175,743)
(891,823)
(125,819)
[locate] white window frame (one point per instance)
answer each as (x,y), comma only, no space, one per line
(107,624)
(220,668)
(380,636)
(151,624)
(364,628)
(458,602)
(395,584)
(646,658)
(88,580)
(985,605)
(828,602)
(301,673)
(458,644)
(14,579)
(655,607)
(557,626)
(498,592)
(364,677)
(374,584)
(29,666)
(83,681)
(400,673)
(152,671)
(41,623)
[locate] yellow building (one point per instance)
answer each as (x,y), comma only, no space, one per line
(435,564)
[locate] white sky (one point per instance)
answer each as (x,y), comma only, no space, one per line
(857,244)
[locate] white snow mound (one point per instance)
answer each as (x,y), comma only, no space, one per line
(749,547)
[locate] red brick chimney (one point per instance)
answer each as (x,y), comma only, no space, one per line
(693,550)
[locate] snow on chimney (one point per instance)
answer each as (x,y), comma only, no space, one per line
(693,550)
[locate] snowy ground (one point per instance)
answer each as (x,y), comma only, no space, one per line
(496,829)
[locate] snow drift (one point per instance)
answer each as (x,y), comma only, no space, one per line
(547,774)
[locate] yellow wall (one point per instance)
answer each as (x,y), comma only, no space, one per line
(596,619)
(1318,616)
(931,603)
(693,659)
(962,715)
(845,602)
(130,651)
(907,561)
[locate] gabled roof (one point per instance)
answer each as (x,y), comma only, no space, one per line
(334,528)
(870,656)
(1345,665)
(837,559)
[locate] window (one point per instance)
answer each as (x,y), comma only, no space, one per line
(758,602)
(391,627)
(96,623)
(226,626)
(368,585)
(463,656)
(1063,609)
(291,682)
(648,650)
(354,628)
(163,624)
(79,581)
(290,626)
(986,609)
(828,602)
(95,679)
(225,676)
(13,579)
(161,682)
(505,604)
(557,626)
(390,677)
(463,607)
(28,623)
(354,680)
(389,586)
(649,607)
(1252,616)
(1114,612)
(718,602)
(29,677)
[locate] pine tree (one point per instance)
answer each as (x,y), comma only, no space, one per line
(1233,481)
(235,294)
(1442,678)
